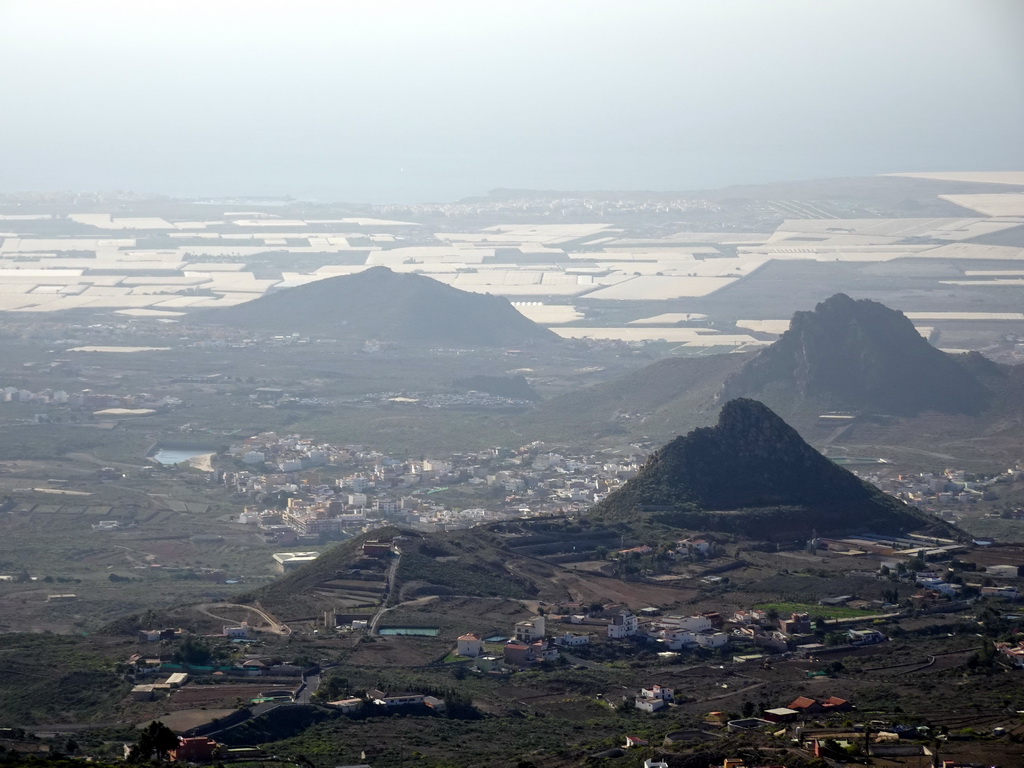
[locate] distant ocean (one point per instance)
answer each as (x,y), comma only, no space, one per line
(341,175)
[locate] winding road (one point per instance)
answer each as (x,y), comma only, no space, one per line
(275,626)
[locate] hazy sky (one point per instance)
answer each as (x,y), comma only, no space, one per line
(387,100)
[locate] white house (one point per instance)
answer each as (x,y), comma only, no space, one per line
(657,692)
(569,640)
(1008,593)
(689,623)
(1003,571)
(649,705)
(865,636)
(625,624)
(1014,653)
(242,632)
(677,639)
(402,699)
(712,639)
(693,546)
(530,630)
(753,616)
(346,705)
(470,644)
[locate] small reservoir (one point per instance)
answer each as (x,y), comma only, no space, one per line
(172,456)
(410,631)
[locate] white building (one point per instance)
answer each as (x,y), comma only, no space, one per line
(254,457)
(865,636)
(712,639)
(625,624)
(688,623)
(1003,571)
(570,640)
(657,692)
(677,639)
(242,632)
(470,644)
(289,561)
(649,705)
(530,630)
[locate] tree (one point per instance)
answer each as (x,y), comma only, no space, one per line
(748,708)
(156,738)
(193,651)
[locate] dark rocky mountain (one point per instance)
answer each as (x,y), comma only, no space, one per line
(384,305)
(752,474)
(862,355)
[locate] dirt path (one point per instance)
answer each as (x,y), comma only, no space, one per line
(586,589)
(275,626)
(738,691)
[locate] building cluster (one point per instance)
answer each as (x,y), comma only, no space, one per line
(442,400)
(680,632)
(561,206)
(933,490)
(335,492)
(86,399)
(528,645)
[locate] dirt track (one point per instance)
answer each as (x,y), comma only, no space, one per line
(273,625)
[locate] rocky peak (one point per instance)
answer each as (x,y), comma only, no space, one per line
(753,460)
(861,354)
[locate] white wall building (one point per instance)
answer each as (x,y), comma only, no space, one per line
(688,623)
(530,630)
(712,639)
(470,645)
(625,624)
(569,640)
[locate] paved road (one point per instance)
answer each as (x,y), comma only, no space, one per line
(389,585)
(305,693)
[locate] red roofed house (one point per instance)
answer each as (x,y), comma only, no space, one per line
(195,749)
(835,704)
(808,706)
(805,706)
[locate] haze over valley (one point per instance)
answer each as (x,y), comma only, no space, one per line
(527,385)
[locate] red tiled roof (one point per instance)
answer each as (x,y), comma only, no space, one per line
(802,702)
